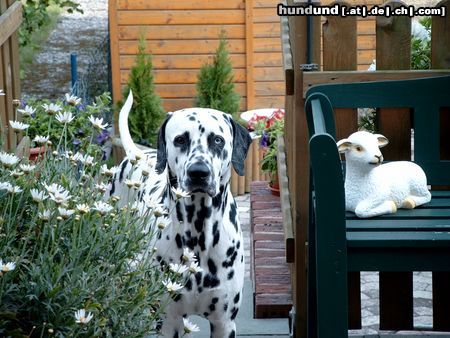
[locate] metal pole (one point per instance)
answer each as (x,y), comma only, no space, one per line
(74,72)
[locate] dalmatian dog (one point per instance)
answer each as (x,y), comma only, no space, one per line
(196,150)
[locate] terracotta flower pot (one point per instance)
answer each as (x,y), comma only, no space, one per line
(274,184)
(36,153)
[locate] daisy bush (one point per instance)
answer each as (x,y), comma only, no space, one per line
(74,263)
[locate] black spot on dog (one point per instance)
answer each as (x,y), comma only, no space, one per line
(233,215)
(231,254)
(212,307)
(202,214)
(153,190)
(192,118)
(225,307)
(234,313)
(214,300)
(190,209)
(210,281)
(122,170)
(188,285)
(212,267)
(230,275)
(198,277)
(159,235)
(202,241)
(224,154)
(179,213)
(216,234)
(232,334)
(177,297)
(176,335)
(217,200)
(179,241)
(237,297)
(168,237)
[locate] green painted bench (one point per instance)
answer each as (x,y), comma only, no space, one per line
(410,240)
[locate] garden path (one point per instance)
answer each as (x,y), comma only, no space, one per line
(49,74)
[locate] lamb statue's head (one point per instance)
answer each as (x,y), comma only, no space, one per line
(363,148)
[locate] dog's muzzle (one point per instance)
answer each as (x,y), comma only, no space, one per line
(199,179)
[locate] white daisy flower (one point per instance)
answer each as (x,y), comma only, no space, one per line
(44,215)
(52,108)
(84,159)
(15,190)
(5,186)
(180,193)
(188,256)
(108,172)
(54,188)
(27,168)
(189,327)
(194,268)
(102,187)
(171,286)
(6,267)
(18,126)
(16,173)
(41,139)
(27,111)
(60,197)
(38,196)
(102,207)
(72,100)
(65,117)
(178,268)
(97,122)
(82,317)
(83,208)
(8,160)
(65,213)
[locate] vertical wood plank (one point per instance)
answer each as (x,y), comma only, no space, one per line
(255,159)
(15,67)
(3,113)
(249,169)
(6,64)
(393,53)
(340,53)
(234,182)
(114,54)
(440,59)
(249,53)
(241,185)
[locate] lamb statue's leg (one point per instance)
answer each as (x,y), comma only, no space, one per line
(367,209)
(413,201)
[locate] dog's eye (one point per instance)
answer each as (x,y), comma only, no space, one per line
(179,140)
(359,148)
(219,140)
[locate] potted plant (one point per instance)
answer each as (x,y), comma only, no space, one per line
(269,128)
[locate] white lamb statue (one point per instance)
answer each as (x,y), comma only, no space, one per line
(372,189)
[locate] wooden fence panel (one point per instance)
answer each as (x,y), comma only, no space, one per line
(10,19)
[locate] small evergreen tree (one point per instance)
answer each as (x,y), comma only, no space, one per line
(215,87)
(147,113)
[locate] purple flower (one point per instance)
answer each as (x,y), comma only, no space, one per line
(102,137)
(265,140)
(76,142)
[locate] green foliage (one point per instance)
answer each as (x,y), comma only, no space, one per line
(79,133)
(60,254)
(36,15)
(147,114)
(215,87)
(420,49)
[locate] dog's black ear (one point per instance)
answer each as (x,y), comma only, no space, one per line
(241,143)
(161,154)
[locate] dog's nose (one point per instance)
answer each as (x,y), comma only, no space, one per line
(199,171)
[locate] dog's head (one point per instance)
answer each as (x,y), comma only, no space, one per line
(199,146)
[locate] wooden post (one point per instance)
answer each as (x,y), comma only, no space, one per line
(249,54)
(394,53)
(255,159)
(440,59)
(300,164)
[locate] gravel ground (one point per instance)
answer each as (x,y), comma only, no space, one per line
(49,74)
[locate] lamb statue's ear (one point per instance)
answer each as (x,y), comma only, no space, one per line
(343,145)
(382,140)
